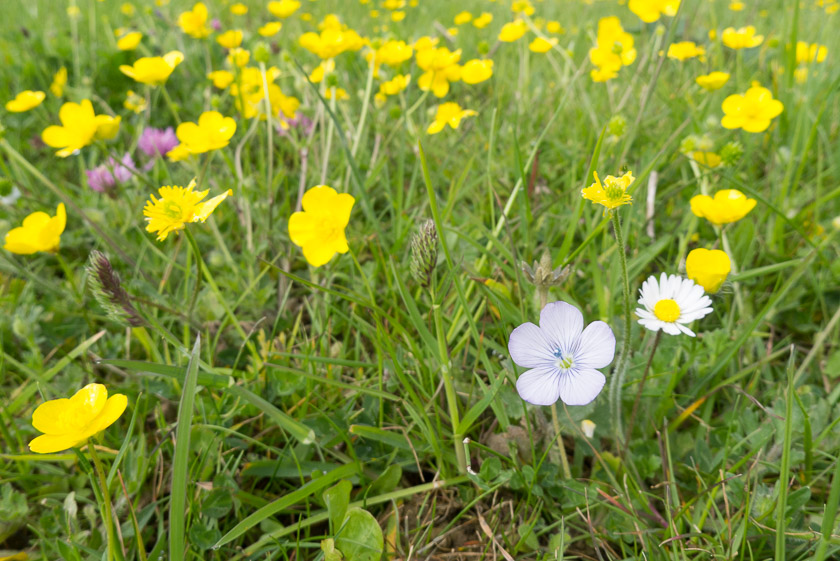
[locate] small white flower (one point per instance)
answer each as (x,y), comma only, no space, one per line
(587,427)
(671,304)
(562,356)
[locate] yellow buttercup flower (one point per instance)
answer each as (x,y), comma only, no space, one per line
(128,9)
(483,20)
(178,154)
(613,49)
(612,193)
(512,31)
(39,232)
(522,7)
(728,205)
(741,38)
(463,17)
(270,29)
(59,81)
(708,268)
(221,78)
(331,42)
(708,159)
(230,39)
(326,67)
(340,94)
(751,111)
(79,127)
(554,27)
(67,423)
(134,102)
(449,113)
(319,228)
(806,54)
(283,8)
(239,9)
(712,81)
(540,45)
(24,101)
(194,22)
(212,132)
(153,70)
(178,206)
(253,92)
(393,86)
(238,56)
(129,41)
(393,53)
(651,10)
(477,70)
(397,16)
(685,50)
(22,556)
(440,67)
(736,6)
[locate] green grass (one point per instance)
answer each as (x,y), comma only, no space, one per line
(306,378)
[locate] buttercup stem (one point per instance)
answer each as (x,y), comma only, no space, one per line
(449,388)
(618,381)
(542,290)
(639,392)
(106,500)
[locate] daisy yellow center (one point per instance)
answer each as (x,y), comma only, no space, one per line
(667,310)
(562,362)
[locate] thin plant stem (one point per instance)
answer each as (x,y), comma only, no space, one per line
(639,392)
(170,103)
(618,382)
(106,503)
(542,290)
(449,388)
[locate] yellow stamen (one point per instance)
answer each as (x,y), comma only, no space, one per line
(667,310)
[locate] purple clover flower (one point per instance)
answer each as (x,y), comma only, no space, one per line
(105,177)
(562,356)
(157,142)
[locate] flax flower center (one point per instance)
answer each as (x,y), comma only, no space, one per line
(667,310)
(563,362)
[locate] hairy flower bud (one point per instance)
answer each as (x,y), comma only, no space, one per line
(108,291)
(424,253)
(542,275)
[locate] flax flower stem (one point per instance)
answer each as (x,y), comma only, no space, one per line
(639,392)
(449,388)
(555,421)
(106,504)
(618,380)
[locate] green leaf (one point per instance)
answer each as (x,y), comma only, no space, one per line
(217,504)
(360,537)
(387,481)
(202,536)
(337,499)
(330,552)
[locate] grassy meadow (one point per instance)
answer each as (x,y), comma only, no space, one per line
(322,349)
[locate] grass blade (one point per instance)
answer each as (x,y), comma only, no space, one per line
(181,464)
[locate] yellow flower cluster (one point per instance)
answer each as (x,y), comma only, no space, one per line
(613,49)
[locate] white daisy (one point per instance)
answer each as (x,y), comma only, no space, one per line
(562,356)
(671,304)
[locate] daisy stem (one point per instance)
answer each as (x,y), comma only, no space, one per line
(542,290)
(625,345)
(451,398)
(641,387)
(106,503)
